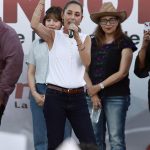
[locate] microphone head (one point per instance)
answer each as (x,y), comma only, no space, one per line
(71,33)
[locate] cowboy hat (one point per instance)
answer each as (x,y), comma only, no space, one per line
(108,9)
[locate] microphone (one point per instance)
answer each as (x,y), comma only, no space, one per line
(71,31)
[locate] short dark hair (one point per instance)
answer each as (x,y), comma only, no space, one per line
(53,11)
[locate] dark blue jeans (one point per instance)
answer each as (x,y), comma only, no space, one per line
(59,106)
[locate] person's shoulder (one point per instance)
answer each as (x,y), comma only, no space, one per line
(126,42)
(8,32)
(125,38)
(5,28)
(9,35)
(38,42)
(8,28)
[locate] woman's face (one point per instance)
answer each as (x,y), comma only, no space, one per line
(73,14)
(109,24)
(53,23)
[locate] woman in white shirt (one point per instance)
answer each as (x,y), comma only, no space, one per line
(65,96)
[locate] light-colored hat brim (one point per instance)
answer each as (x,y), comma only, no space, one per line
(95,17)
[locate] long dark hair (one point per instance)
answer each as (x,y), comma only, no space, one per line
(100,34)
(52,12)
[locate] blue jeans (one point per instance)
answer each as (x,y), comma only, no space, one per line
(57,107)
(39,126)
(113,114)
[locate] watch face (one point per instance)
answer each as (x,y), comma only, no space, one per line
(101,85)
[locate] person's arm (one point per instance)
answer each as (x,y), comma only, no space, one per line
(45,33)
(87,79)
(125,63)
(31,78)
(84,50)
(95,98)
(13,59)
(141,57)
(142,60)
(123,71)
(39,98)
(143,50)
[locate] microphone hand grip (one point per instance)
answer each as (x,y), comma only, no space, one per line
(71,33)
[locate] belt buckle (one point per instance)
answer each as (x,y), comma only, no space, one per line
(68,91)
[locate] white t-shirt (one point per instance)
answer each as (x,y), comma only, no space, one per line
(65,66)
(38,56)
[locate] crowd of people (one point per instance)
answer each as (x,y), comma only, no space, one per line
(67,68)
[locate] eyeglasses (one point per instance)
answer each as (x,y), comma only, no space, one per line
(111,21)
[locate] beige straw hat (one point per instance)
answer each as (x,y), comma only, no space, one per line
(108,9)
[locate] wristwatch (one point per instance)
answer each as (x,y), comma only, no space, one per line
(101,85)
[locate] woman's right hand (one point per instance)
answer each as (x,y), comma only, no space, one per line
(96,101)
(39,98)
(94,89)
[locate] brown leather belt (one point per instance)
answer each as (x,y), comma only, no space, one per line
(65,90)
